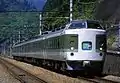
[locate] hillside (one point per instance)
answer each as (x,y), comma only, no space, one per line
(16,5)
(111,9)
(27,23)
(11,23)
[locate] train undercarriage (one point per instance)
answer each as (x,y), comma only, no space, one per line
(62,66)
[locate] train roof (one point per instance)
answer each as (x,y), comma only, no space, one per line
(59,29)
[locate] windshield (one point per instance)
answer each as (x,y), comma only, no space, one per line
(101,43)
(94,25)
(77,25)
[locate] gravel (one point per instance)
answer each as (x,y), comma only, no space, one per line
(113,78)
(48,76)
(5,77)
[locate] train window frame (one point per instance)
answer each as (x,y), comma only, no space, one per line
(83,25)
(101,39)
(84,42)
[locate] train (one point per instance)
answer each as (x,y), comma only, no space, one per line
(79,45)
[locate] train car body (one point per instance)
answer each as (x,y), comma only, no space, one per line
(78,45)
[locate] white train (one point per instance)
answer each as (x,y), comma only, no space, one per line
(78,45)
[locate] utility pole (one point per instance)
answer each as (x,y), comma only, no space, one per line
(10,47)
(119,35)
(71,10)
(19,36)
(40,30)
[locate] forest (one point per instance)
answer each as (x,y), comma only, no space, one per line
(17,17)
(20,19)
(59,11)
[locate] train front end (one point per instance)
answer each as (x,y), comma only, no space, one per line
(91,47)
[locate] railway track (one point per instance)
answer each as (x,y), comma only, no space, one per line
(20,74)
(26,77)
(97,80)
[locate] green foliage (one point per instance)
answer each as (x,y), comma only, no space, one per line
(110,41)
(60,8)
(27,23)
(11,23)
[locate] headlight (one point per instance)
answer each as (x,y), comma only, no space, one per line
(72,48)
(100,49)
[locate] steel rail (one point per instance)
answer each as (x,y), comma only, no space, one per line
(20,74)
(97,80)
